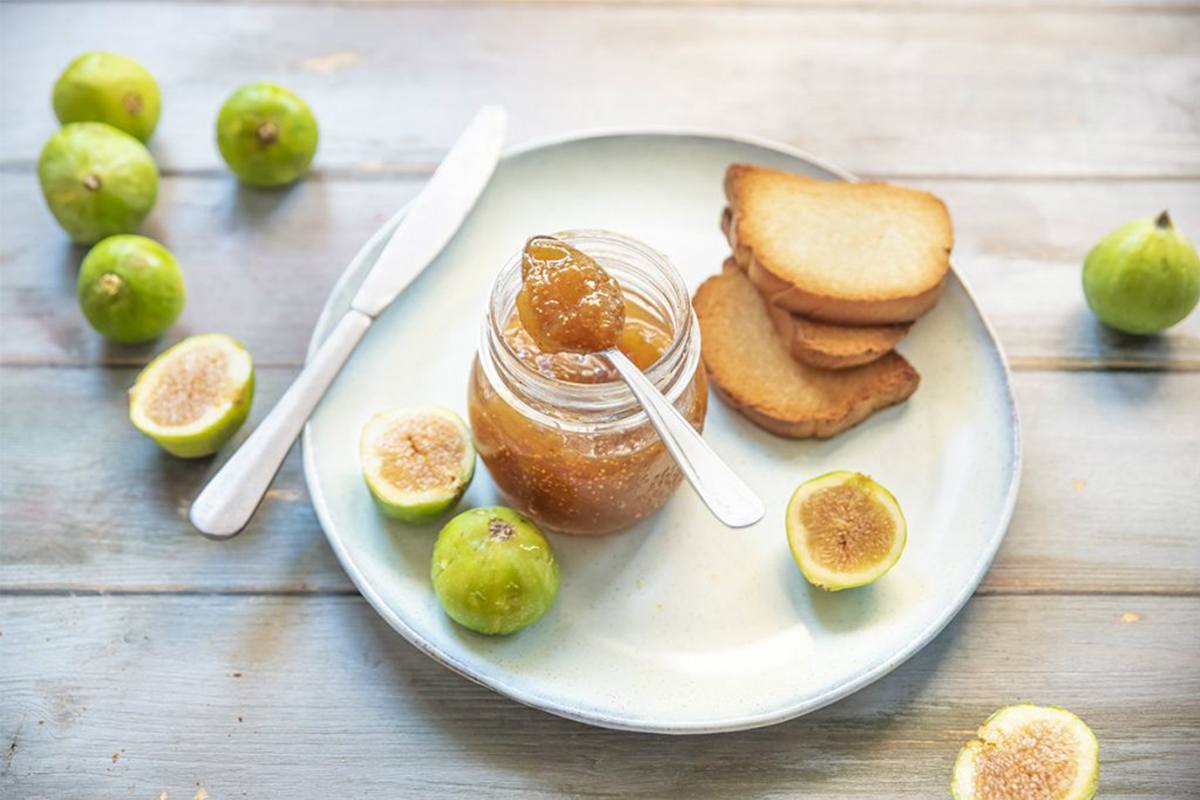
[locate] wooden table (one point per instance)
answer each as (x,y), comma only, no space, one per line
(140,660)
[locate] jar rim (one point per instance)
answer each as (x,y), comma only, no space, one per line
(583,406)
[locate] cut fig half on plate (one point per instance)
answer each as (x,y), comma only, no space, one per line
(845,530)
(417,461)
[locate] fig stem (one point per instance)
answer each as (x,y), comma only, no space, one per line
(267,133)
(1164,220)
(110,284)
(91,181)
(132,102)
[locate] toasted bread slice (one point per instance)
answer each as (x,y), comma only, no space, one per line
(754,371)
(848,253)
(828,346)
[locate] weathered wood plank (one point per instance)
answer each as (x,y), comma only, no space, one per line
(1107,487)
(90,503)
(1105,505)
(276,697)
(946,92)
(259,264)
(893,6)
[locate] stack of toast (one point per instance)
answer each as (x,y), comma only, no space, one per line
(825,279)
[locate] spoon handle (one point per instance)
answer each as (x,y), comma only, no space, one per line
(730,500)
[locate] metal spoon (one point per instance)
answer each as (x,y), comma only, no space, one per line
(729,499)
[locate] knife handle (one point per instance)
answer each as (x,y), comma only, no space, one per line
(230,499)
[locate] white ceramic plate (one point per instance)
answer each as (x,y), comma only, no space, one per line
(679,625)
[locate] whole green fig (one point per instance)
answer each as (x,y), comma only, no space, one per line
(130,288)
(97,180)
(266,134)
(1143,277)
(110,88)
(493,570)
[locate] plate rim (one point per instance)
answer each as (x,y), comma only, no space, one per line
(631,723)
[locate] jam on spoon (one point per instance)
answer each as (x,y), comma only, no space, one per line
(568,303)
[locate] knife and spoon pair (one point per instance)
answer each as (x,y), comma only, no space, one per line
(226,504)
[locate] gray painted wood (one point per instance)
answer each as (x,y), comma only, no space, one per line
(1020,244)
(117,517)
(191,669)
(1104,505)
(258,264)
(894,6)
(317,697)
(942,91)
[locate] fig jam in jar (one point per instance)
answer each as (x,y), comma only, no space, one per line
(561,434)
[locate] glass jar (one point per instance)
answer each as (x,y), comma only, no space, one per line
(562,436)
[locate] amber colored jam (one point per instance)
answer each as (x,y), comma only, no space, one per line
(595,480)
(568,302)
(643,339)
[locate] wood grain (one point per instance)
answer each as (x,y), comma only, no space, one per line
(942,92)
(317,697)
(1105,504)
(259,265)
(893,6)
(185,668)
(89,503)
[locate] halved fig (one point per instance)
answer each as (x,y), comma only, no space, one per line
(417,461)
(845,530)
(193,397)
(1029,752)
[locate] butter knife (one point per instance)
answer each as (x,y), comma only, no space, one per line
(230,499)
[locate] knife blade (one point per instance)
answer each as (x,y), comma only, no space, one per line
(437,213)
(230,499)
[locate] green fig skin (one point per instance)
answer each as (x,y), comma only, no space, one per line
(1143,277)
(98,181)
(109,88)
(266,134)
(494,571)
(130,288)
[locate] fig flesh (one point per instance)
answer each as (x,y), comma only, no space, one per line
(417,461)
(1029,752)
(193,397)
(845,530)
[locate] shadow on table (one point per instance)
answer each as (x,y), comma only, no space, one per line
(1109,343)
(544,753)
(253,206)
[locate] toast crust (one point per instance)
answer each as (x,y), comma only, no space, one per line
(754,371)
(828,346)
(897,282)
